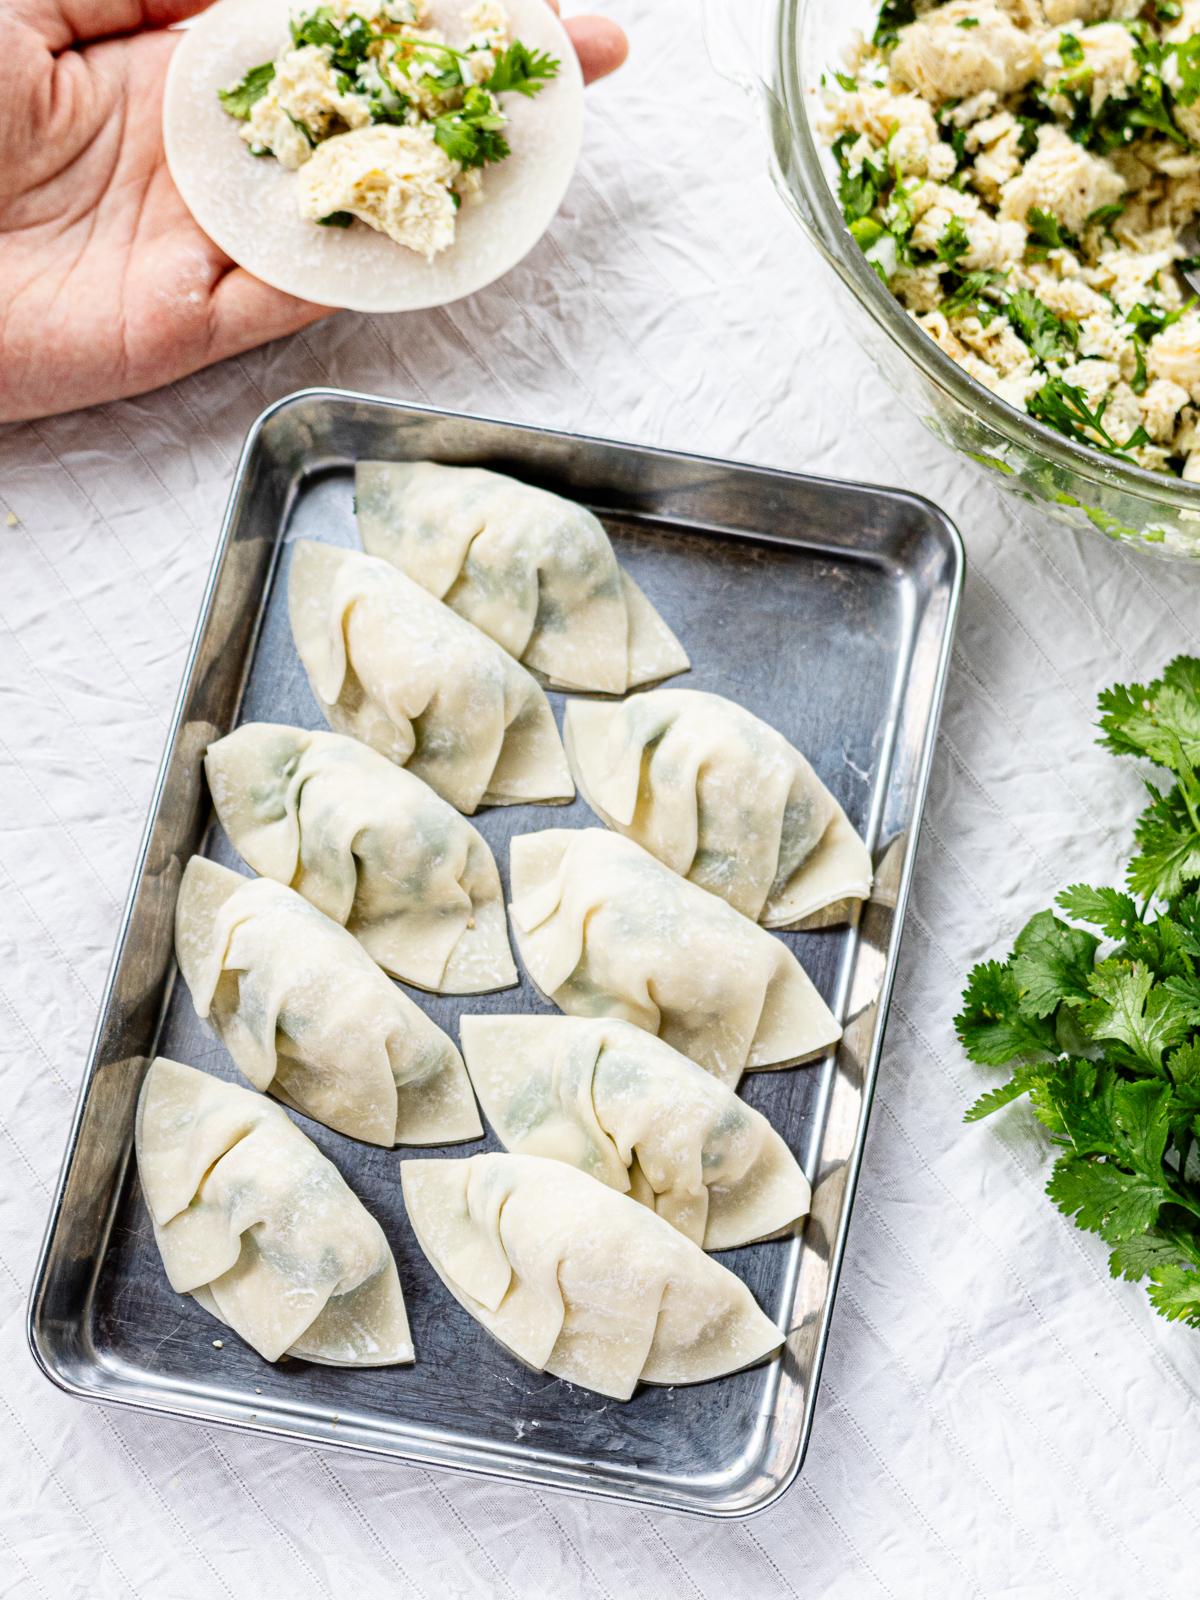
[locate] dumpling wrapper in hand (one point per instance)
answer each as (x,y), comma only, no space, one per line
(252,1220)
(250,207)
(372,847)
(535,572)
(605,930)
(395,668)
(625,1108)
(580,1281)
(720,797)
(308,1016)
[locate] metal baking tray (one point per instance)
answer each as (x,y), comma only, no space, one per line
(828,609)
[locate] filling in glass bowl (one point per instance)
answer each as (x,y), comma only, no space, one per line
(1024,176)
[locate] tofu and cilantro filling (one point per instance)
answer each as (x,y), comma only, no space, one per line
(382,119)
(1019,173)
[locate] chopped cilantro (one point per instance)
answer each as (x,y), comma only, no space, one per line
(239,99)
(953,242)
(1104,216)
(336,219)
(526,71)
(1047,336)
(1108,1050)
(848,83)
(1146,322)
(1064,406)
(893,15)
(967,22)
(471,136)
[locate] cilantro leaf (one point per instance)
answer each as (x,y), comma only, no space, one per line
(527,71)
(1022,1081)
(1149,1252)
(1103,1198)
(1052,962)
(1168,856)
(240,99)
(993,1027)
(1114,913)
(1175,1294)
(1130,1007)
(336,219)
(1157,719)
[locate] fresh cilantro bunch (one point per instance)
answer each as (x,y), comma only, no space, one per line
(1107,1044)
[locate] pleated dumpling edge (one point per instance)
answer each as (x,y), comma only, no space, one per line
(723,799)
(579,1281)
(254,1222)
(605,929)
(308,1016)
(392,666)
(624,1107)
(536,572)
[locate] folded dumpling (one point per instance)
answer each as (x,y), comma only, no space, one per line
(252,1220)
(306,1014)
(394,667)
(578,1280)
(372,847)
(537,573)
(624,1107)
(605,930)
(722,799)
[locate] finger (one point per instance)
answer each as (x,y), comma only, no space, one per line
(247,312)
(599,44)
(62,23)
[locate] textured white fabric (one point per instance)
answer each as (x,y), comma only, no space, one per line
(997,1417)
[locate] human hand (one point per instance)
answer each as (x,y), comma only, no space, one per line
(107,286)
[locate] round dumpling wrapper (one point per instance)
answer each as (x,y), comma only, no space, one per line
(248,205)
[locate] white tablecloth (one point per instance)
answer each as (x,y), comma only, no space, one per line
(997,1417)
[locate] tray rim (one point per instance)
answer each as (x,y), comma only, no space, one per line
(500,1469)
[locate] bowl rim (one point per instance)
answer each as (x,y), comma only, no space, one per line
(796,165)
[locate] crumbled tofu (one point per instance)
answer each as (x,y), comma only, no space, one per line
(878,116)
(1160,406)
(992,244)
(1175,354)
(304,90)
(998,141)
(1107,56)
(271,129)
(487,23)
(394,179)
(1063,178)
(945,62)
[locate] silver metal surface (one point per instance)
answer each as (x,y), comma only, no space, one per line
(827,609)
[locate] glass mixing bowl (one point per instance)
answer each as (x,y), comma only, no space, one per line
(777,51)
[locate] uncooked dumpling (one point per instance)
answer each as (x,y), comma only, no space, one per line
(252,1220)
(721,798)
(306,1014)
(578,1280)
(395,668)
(372,847)
(534,571)
(624,1107)
(605,930)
